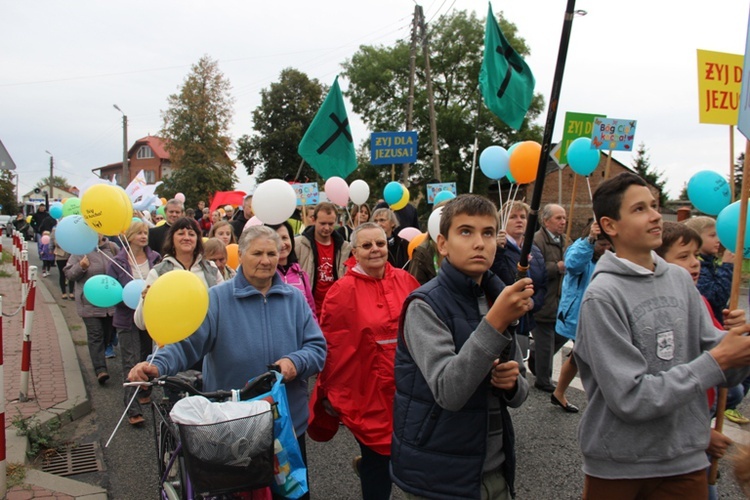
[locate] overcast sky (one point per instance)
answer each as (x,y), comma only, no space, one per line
(64,64)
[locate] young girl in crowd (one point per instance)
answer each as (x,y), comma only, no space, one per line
(46,253)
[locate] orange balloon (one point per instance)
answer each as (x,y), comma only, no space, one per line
(524,161)
(415,242)
(233,256)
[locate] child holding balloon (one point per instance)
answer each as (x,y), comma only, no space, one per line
(46,253)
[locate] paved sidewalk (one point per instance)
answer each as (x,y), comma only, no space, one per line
(56,387)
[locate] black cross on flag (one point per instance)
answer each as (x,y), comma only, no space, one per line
(327,146)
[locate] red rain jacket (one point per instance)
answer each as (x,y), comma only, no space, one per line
(360,323)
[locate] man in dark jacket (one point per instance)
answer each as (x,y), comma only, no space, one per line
(552,241)
(242,216)
(156,235)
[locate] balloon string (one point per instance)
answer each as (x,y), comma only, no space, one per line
(135,393)
(500,194)
(511,200)
(113,262)
(591,197)
(131,255)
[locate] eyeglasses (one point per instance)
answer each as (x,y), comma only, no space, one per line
(368,245)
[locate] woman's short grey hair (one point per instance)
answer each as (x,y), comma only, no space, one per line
(363,227)
(388,213)
(253,233)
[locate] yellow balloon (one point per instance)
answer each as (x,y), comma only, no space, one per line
(175,306)
(161,223)
(128,219)
(28,219)
(104,210)
(402,202)
(233,256)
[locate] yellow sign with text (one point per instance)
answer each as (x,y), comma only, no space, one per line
(719,84)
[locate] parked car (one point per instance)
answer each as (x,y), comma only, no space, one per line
(6,221)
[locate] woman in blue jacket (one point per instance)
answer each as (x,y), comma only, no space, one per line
(580,260)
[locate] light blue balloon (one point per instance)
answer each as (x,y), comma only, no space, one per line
(102,290)
(726,228)
(131,293)
(494,162)
(393,192)
(75,236)
(581,158)
(709,192)
(56,210)
(442,196)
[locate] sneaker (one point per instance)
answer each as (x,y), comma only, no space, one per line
(109,352)
(102,377)
(136,420)
(355,464)
(736,417)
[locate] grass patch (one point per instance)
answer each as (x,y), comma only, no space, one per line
(74,328)
(43,438)
(80,342)
(5,274)
(7,256)
(16,474)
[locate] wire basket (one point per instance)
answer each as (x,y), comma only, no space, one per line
(229,456)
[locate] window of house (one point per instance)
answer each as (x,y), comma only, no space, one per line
(150,176)
(144,152)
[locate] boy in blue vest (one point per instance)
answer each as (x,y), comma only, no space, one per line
(647,352)
(458,367)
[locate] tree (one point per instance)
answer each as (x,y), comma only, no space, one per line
(642,166)
(287,108)
(196,132)
(379,87)
(738,166)
(8,193)
(683,193)
(58,182)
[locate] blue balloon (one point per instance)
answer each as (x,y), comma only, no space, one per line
(581,158)
(131,293)
(56,210)
(709,192)
(75,236)
(726,228)
(442,196)
(510,177)
(494,162)
(393,192)
(102,290)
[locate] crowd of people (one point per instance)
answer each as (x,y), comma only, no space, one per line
(420,353)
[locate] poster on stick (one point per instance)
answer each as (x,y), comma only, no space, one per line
(743,121)
(719,81)
(576,125)
(613,134)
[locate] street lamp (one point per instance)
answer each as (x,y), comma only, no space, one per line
(51,170)
(125,169)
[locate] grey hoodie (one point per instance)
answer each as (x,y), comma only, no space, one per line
(641,350)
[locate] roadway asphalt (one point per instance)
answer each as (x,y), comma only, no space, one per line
(549,461)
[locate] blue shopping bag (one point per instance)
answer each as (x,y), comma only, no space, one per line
(290,473)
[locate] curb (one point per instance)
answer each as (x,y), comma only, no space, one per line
(76,406)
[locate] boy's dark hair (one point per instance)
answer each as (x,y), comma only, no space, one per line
(673,232)
(607,198)
(183,223)
(469,204)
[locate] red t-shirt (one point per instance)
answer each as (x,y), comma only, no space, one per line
(324,273)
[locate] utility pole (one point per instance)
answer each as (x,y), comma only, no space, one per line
(125,168)
(51,171)
(412,69)
(431,98)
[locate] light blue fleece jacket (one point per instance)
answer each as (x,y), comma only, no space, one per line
(642,352)
(244,332)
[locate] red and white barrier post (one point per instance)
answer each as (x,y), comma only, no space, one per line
(3,464)
(24,274)
(15,250)
(27,325)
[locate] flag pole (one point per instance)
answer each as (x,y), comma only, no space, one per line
(721,400)
(476,145)
(536,199)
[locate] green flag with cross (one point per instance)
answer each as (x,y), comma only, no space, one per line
(327,146)
(505,80)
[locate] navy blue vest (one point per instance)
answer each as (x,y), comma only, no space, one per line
(437,453)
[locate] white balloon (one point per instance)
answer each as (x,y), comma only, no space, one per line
(274,201)
(433,223)
(359,191)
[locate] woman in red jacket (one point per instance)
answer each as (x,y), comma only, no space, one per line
(360,322)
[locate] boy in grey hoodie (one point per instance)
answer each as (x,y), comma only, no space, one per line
(647,351)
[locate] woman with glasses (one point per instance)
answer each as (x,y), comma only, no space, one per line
(360,322)
(289,269)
